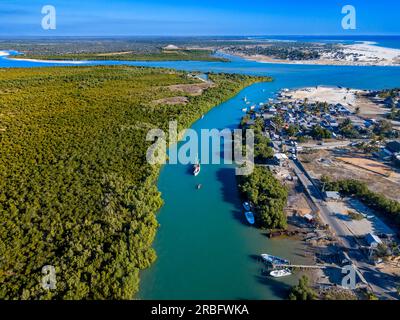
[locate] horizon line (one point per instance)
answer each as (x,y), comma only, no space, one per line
(198,36)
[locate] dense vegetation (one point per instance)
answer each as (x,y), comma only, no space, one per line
(388,93)
(302,291)
(162,55)
(388,207)
(347,129)
(319,133)
(262,150)
(384,129)
(76,191)
(268,196)
(394,114)
(284,50)
(138,45)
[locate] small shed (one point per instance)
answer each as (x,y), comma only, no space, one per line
(332,196)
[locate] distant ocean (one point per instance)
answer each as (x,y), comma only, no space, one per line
(383,41)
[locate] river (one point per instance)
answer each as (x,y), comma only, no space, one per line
(204,248)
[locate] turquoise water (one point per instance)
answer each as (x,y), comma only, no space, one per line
(205,250)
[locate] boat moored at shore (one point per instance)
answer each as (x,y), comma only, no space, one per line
(274,260)
(250,217)
(280,273)
(246,206)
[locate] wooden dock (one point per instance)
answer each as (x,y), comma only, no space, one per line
(302,266)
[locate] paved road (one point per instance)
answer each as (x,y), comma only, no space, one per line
(368,273)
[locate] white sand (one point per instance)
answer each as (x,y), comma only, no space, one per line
(331,95)
(360,54)
(52,61)
(4,53)
(373,54)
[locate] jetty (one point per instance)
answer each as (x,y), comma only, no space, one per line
(302,266)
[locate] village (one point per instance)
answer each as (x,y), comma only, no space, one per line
(321,135)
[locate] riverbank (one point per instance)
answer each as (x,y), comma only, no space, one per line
(66,62)
(92,175)
(360,54)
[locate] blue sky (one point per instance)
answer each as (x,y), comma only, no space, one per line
(205,17)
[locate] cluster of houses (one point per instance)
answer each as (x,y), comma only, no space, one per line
(303,115)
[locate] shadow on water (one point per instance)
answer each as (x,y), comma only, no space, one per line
(278,288)
(189,170)
(227,178)
(255,257)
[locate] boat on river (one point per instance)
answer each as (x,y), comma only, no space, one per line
(250,217)
(246,206)
(196,169)
(268,258)
(280,273)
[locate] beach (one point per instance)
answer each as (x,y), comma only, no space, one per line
(49,61)
(366,53)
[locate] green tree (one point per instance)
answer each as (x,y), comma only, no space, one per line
(303,291)
(268,196)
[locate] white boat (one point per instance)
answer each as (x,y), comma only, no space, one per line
(274,260)
(196,168)
(244,109)
(246,206)
(250,217)
(280,273)
(252,107)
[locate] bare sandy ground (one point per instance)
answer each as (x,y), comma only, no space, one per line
(196,89)
(360,54)
(374,54)
(350,98)
(3,53)
(368,164)
(331,95)
(171,101)
(325,162)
